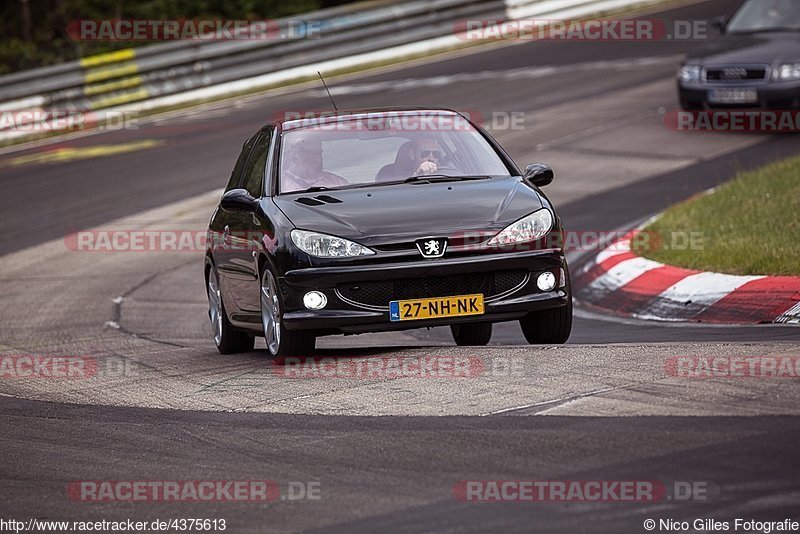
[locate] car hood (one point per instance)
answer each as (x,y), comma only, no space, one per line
(757,48)
(409,211)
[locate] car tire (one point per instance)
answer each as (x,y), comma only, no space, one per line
(280,341)
(227,339)
(548,327)
(471,334)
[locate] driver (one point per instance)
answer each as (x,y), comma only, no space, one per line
(426,156)
(303,168)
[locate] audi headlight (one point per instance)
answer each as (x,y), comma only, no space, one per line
(328,246)
(529,228)
(689,73)
(787,71)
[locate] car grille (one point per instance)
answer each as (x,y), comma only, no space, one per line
(379,294)
(734,73)
(392,247)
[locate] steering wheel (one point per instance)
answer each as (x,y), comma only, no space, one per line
(446,169)
(448,163)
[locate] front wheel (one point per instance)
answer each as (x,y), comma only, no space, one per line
(471,334)
(226,338)
(548,327)
(280,342)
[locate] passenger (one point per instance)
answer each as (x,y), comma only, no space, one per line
(303,168)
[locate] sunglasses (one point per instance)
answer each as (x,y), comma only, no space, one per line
(431,153)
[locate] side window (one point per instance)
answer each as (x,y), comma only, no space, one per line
(233,183)
(254,170)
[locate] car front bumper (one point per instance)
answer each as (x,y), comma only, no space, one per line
(343,315)
(773,95)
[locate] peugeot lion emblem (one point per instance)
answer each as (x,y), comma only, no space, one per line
(432,247)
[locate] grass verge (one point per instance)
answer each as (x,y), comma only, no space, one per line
(748,226)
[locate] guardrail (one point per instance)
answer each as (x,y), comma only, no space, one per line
(177,72)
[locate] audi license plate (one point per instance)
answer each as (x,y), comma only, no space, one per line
(733,96)
(410,310)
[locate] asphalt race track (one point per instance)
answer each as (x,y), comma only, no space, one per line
(386,452)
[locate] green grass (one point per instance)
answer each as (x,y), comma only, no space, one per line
(750,225)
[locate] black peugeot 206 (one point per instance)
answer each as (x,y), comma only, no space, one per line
(755,63)
(381,220)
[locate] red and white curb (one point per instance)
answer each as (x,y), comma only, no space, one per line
(626,284)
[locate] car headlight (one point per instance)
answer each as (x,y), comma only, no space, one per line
(529,228)
(328,246)
(689,73)
(787,71)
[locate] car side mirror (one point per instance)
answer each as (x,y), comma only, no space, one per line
(719,23)
(538,174)
(238,200)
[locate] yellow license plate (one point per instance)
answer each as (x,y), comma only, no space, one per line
(411,310)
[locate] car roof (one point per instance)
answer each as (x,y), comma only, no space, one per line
(299,119)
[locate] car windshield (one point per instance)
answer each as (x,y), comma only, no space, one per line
(376,149)
(766,15)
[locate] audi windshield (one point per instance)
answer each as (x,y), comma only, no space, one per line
(766,15)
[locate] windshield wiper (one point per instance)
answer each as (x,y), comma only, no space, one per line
(313,189)
(426,178)
(433,178)
(775,29)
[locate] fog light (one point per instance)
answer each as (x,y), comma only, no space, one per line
(314,300)
(546,281)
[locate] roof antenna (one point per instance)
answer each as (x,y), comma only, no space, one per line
(326,89)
